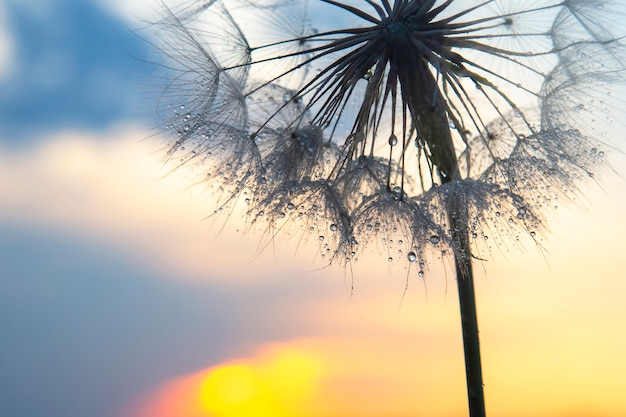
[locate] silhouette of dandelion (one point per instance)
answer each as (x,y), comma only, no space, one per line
(448,124)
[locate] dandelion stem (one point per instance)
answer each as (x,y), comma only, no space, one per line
(430,115)
(469,322)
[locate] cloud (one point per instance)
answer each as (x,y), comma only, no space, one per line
(68,64)
(105,186)
(7,46)
(137,12)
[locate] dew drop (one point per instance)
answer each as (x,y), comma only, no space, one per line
(291,206)
(420,274)
(434,239)
(333,227)
(393,140)
(390,259)
(411,256)
(321,238)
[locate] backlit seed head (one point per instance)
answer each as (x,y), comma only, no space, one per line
(385,120)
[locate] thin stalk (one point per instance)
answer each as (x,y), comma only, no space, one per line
(469,321)
(429,112)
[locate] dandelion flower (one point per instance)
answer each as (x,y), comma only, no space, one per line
(454,124)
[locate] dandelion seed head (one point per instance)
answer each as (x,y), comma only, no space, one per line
(395,121)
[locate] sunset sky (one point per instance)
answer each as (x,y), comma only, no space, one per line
(119,298)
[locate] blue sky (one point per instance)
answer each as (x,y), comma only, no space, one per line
(74,65)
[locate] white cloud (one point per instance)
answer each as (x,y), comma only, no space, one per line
(137,11)
(112,186)
(7,46)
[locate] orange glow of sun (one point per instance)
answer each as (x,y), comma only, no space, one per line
(272,386)
(275,383)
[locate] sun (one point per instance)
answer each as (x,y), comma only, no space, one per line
(236,391)
(270,387)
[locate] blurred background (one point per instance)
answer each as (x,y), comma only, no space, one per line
(119,298)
